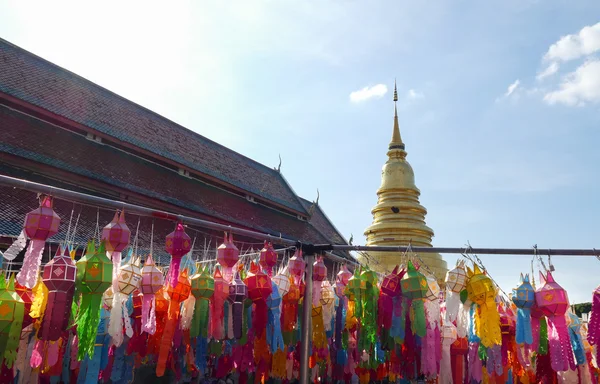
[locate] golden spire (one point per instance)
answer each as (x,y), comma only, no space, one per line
(396,142)
(399,217)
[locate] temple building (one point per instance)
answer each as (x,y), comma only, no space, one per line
(398,217)
(59,129)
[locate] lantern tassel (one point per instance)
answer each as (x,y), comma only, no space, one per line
(115,325)
(57,314)
(187,314)
(200,321)
(29,273)
(87,324)
(14,334)
(149,314)
(238,316)
(593,336)
(418,322)
(523,332)
(561,354)
(167,338)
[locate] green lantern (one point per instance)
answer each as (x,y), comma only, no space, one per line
(203,287)
(12,310)
(94,276)
(415,288)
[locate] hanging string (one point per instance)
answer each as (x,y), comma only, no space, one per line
(69,227)
(72,240)
(97,231)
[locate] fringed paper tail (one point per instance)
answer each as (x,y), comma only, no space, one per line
(523,332)
(29,273)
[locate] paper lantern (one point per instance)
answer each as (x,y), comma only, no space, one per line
(128,280)
(26,295)
(94,276)
(344,275)
(218,311)
(12,310)
(282,280)
(40,224)
(268,258)
(391,283)
(237,294)
(152,281)
(524,299)
(203,288)
(59,277)
(482,291)
(456,278)
(328,303)
(177,244)
(259,289)
(390,289)
(414,283)
(289,317)
(115,236)
(553,301)
(297,266)
(319,275)
(433,289)
(593,336)
(274,334)
(178,293)
(107,299)
(227,256)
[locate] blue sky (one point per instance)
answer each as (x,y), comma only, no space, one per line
(498,102)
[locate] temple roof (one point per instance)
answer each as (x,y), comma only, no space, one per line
(38,82)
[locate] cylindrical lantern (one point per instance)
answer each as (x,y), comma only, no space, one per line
(289,317)
(221,294)
(128,280)
(237,294)
(259,289)
(282,280)
(177,243)
(456,280)
(152,281)
(415,288)
(116,237)
(227,256)
(11,320)
(94,276)
(482,291)
(177,293)
(40,224)
(203,288)
(319,275)
(524,298)
(59,277)
(268,258)
(390,289)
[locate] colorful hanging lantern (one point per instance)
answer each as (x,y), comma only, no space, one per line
(553,301)
(328,303)
(128,280)
(268,258)
(152,281)
(368,319)
(116,237)
(319,275)
(524,298)
(94,276)
(415,288)
(481,290)
(12,310)
(40,224)
(26,295)
(297,266)
(227,256)
(274,335)
(237,294)
(290,311)
(282,280)
(259,290)
(59,277)
(593,334)
(203,288)
(456,280)
(178,293)
(177,244)
(218,310)
(390,289)
(107,299)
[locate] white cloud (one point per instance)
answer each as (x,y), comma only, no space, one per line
(412,94)
(574,46)
(549,71)
(512,88)
(375,91)
(578,87)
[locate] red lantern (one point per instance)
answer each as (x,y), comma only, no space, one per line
(227,256)
(319,275)
(40,224)
(259,290)
(59,277)
(268,258)
(221,293)
(116,234)
(178,244)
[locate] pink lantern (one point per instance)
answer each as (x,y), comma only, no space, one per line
(553,301)
(40,224)
(297,266)
(152,281)
(227,256)
(319,275)
(178,244)
(116,236)
(268,258)
(59,277)
(221,294)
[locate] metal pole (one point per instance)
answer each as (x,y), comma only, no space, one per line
(306,318)
(488,251)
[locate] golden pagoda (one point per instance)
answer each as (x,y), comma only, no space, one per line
(398,217)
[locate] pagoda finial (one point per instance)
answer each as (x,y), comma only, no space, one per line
(396,142)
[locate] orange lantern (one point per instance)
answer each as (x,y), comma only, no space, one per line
(268,258)
(178,244)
